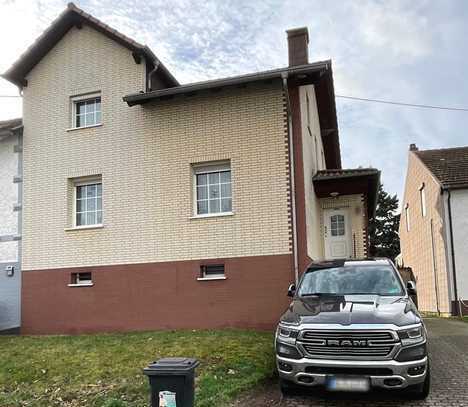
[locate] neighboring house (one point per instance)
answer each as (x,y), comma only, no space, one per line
(180,206)
(10,224)
(434,227)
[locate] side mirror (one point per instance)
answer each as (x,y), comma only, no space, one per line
(411,287)
(292,290)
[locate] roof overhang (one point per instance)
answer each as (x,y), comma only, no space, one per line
(454,186)
(318,73)
(332,183)
(10,127)
(73,16)
(309,71)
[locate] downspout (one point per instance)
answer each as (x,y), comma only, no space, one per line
(434,268)
(284,76)
(452,253)
(150,75)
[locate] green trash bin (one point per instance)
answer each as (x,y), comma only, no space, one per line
(172,382)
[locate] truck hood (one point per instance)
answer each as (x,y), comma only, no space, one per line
(352,309)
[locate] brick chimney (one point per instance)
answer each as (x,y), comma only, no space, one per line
(298,46)
(413,147)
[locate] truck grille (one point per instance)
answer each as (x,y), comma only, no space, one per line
(347,344)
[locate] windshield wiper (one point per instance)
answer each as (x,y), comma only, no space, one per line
(316,294)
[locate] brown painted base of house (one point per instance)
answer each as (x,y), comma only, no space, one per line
(157,296)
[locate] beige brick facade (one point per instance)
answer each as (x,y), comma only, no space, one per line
(145,156)
(423,247)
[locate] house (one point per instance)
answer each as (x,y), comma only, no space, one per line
(10,224)
(434,228)
(149,204)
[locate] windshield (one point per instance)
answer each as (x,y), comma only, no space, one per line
(346,280)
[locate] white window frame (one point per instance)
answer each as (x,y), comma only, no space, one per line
(422,198)
(407,218)
(82,283)
(207,168)
(83,98)
(80,183)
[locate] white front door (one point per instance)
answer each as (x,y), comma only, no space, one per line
(337,235)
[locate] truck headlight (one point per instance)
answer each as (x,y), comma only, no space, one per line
(412,336)
(284,332)
(287,351)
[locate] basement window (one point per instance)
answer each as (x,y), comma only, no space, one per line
(81,280)
(212,272)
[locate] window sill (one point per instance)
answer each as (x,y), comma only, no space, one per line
(212,215)
(84,127)
(84,228)
(81,285)
(211,278)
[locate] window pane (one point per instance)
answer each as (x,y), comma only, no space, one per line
(98,117)
(91,190)
(202,207)
(99,189)
(90,218)
(91,204)
(202,192)
(99,204)
(79,121)
(226,176)
(90,107)
(80,205)
(80,191)
(80,107)
(202,179)
(80,219)
(99,217)
(98,104)
(213,178)
(214,191)
(225,190)
(226,205)
(214,205)
(90,119)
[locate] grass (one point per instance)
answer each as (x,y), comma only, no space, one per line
(106,370)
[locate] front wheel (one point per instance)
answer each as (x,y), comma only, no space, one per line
(422,390)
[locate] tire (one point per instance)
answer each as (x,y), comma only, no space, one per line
(422,390)
(287,387)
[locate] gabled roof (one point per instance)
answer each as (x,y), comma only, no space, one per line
(73,16)
(8,127)
(448,165)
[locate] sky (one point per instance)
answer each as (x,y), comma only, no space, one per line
(413,51)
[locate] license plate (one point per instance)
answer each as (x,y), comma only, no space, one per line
(348,384)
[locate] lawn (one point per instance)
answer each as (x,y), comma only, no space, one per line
(106,370)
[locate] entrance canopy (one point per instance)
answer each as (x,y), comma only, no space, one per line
(334,183)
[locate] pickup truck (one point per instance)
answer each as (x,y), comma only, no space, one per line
(352,326)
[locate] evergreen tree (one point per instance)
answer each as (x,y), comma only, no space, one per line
(383,229)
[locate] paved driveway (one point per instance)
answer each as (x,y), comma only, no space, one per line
(448,342)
